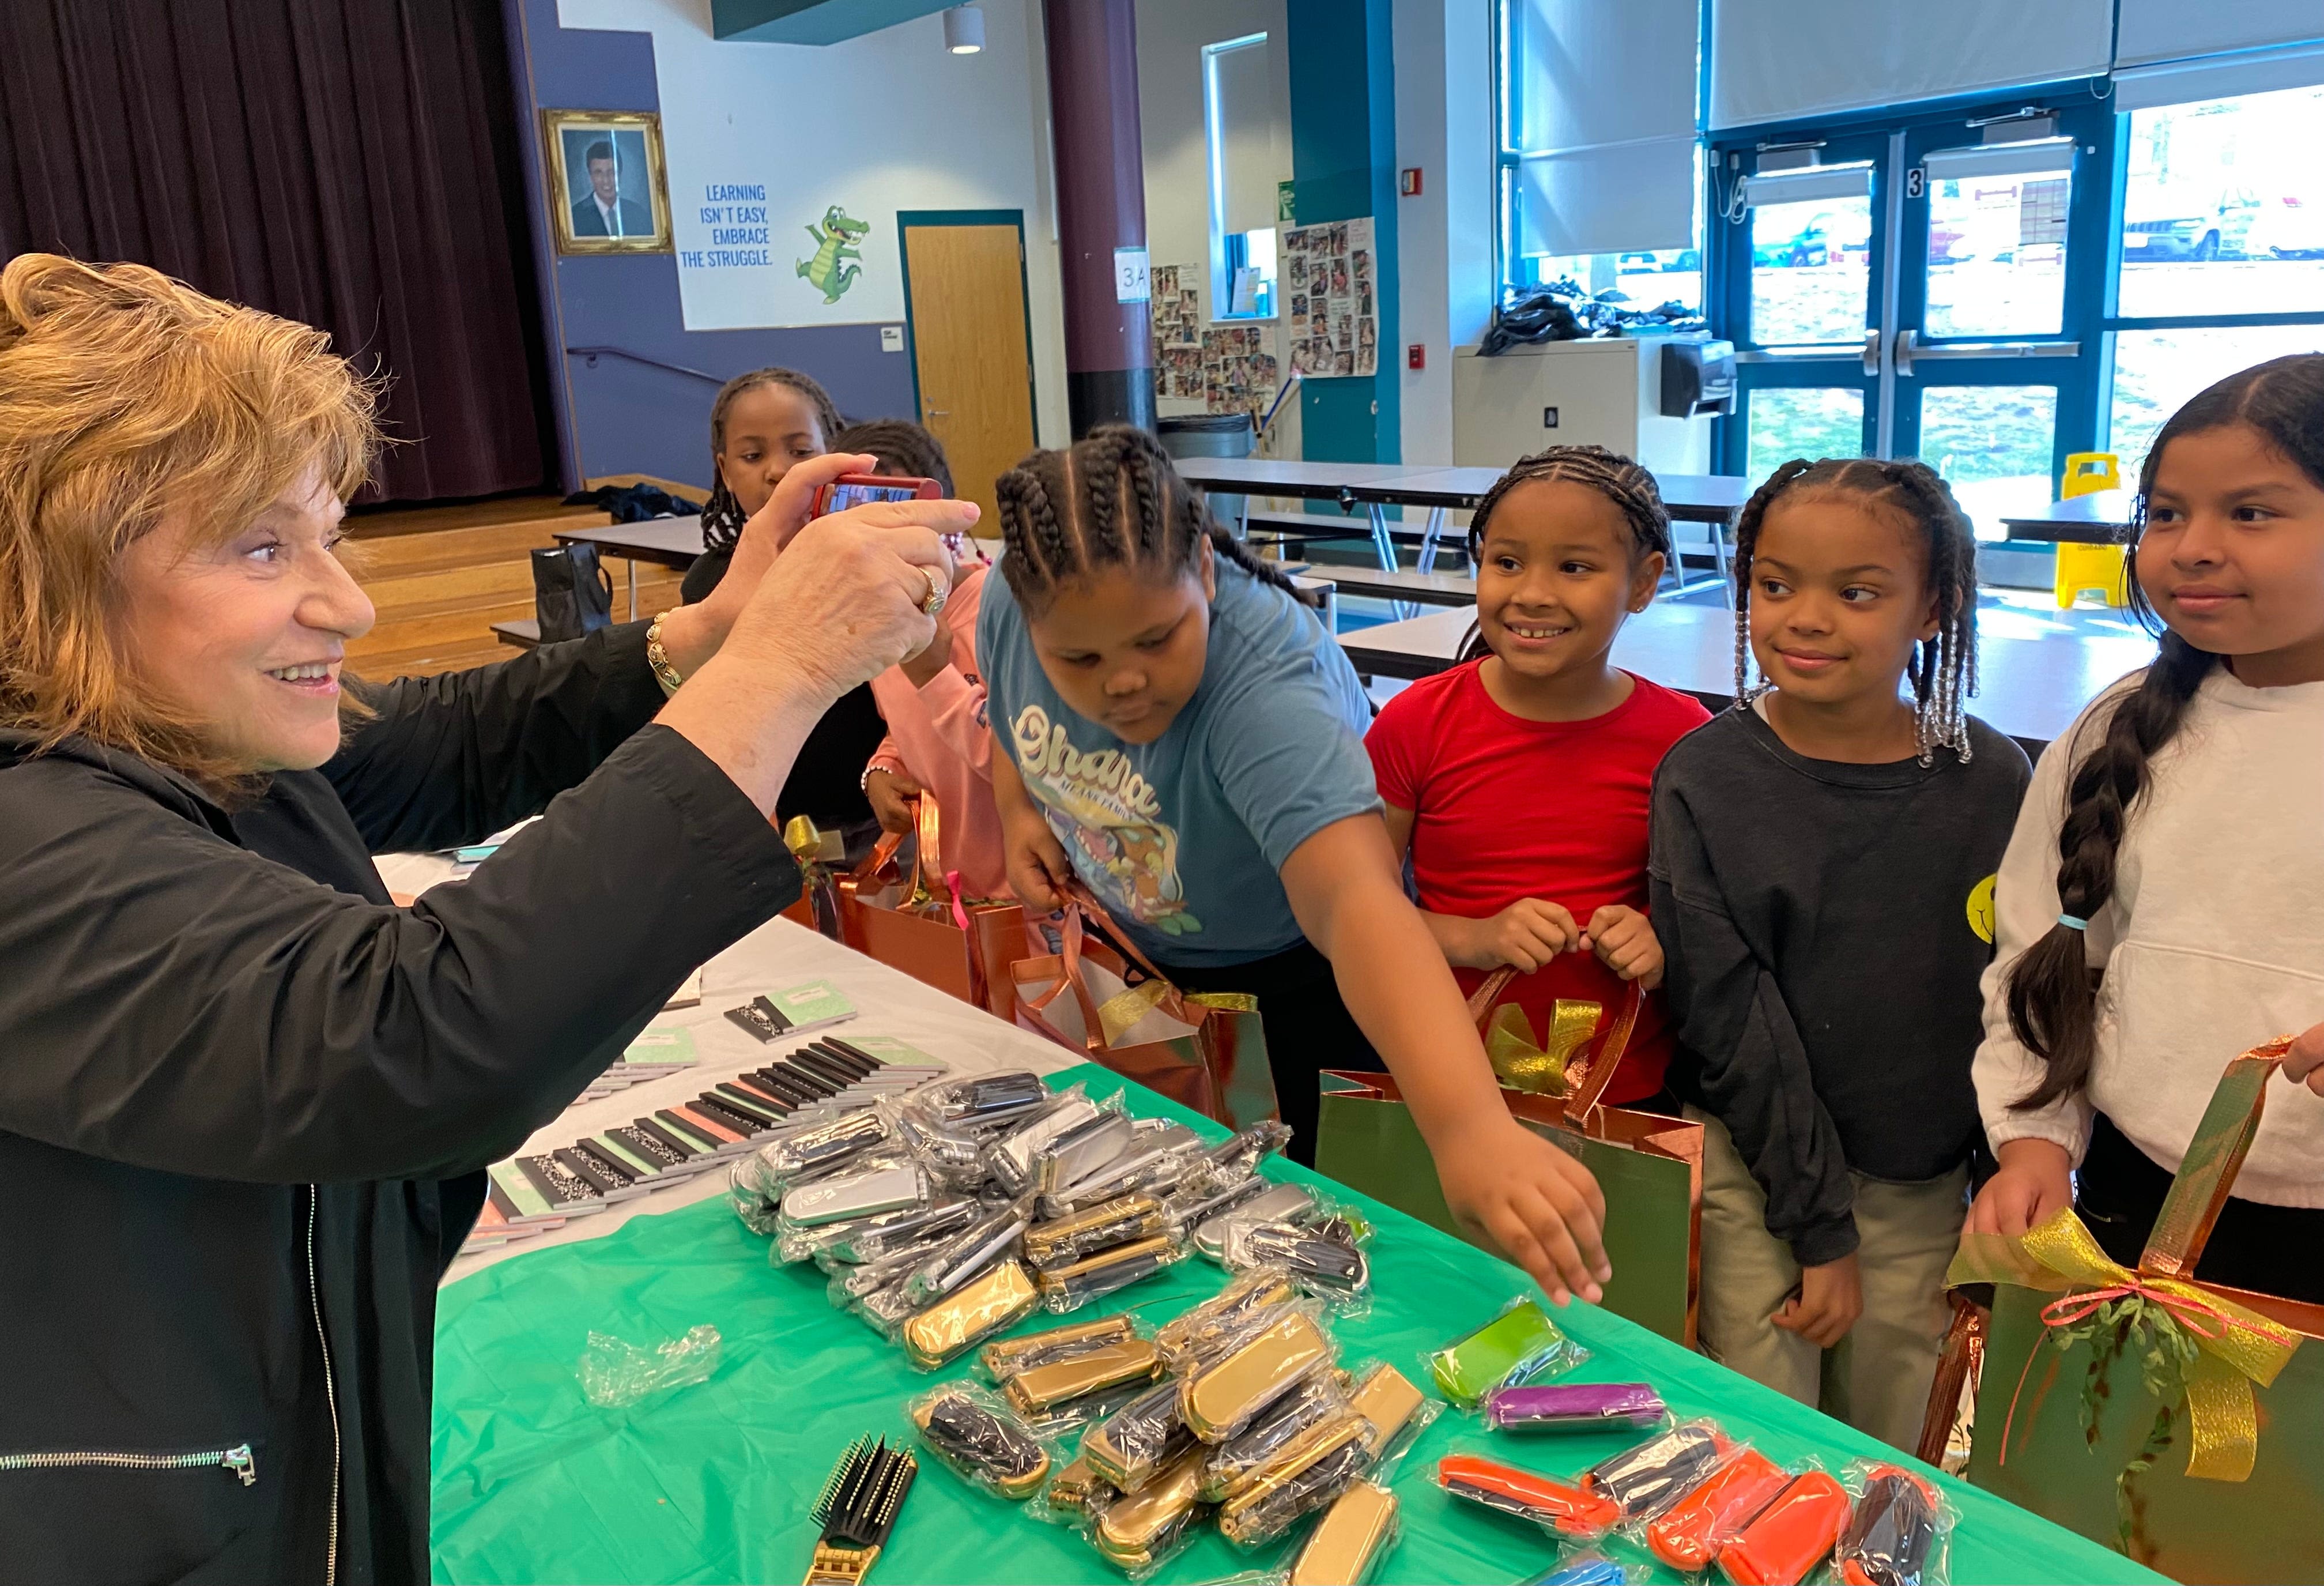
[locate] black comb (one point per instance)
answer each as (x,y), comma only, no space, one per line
(859,1504)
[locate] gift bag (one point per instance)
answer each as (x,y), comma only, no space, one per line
(1204,1050)
(920,924)
(819,855)
(2179,1421)
(1649,1166)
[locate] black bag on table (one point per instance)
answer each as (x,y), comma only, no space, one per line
(571,595)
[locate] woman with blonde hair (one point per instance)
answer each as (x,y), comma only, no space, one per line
(245,1100)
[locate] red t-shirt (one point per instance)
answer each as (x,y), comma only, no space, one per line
(1508,808)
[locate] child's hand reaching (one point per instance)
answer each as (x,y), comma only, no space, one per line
(1829,1300)
(890,793)
(1523,936)
(1531,1201)
(1039,870)
(1625,942)
(922,667)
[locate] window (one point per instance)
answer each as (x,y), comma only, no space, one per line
(2222,262)
(1237,118)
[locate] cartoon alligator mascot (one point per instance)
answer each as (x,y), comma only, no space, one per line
(828,271)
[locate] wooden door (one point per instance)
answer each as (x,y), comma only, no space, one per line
(965,291)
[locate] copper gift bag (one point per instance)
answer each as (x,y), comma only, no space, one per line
(1650,1167)
(1203,1051)
(920,924)
(2178,1421)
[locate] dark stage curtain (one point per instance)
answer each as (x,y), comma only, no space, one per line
(350,164)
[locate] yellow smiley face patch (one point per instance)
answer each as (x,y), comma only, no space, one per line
(1980,910)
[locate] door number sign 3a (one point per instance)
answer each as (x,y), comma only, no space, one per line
(1133,276)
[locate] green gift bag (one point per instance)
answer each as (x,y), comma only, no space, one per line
(2178,1421)
(1649,1166)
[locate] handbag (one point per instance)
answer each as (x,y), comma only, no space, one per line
(571,593)
(920,924)
(1204,1050)
(1649,1166)
(2179,1421)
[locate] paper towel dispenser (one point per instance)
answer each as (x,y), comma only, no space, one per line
(1698,379)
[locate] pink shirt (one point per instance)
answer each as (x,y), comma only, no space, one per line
(939,736)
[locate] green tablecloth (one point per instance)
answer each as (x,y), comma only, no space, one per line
(713,1484)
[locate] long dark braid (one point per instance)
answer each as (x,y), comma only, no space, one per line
(723,516)
(2053,997)
(1629,487)
(1111,500)
(1944,669)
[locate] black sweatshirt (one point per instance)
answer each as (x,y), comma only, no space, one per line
(1822,964)
(245,1100)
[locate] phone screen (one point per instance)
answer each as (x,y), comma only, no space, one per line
(843,497)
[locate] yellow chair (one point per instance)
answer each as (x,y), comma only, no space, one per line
(2104,569)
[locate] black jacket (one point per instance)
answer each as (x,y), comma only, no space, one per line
(1821,941)
(245,1100)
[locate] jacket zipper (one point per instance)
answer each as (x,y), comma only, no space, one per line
(330,1389)
(237,1459)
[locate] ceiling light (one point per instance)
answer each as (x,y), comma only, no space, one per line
(963,30)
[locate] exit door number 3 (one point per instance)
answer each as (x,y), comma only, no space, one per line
(1133,276)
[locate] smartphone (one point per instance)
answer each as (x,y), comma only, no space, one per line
(852,489)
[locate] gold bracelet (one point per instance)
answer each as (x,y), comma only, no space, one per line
(658,659)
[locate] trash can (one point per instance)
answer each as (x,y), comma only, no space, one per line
(1211,435)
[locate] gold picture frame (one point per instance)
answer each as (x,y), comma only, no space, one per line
(608,191)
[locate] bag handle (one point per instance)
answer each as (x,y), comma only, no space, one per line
(1586,1081)
(2198,1190)
(1080,898)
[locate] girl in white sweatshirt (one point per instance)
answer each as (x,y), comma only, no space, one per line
(2161,907)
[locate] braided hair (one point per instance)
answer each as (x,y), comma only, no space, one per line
(1629,487)
(1943,669)
(1111,500)
(2051,994)
(723,516)
(900,444)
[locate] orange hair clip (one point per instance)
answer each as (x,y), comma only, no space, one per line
(1791,1536)
(1687,1537)
(1560,1505)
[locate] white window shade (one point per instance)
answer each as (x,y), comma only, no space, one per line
(1809,183)
(2175,29)
(1243,161)
(1607,101)
(2225,76)
(1775,60)
(2031,158)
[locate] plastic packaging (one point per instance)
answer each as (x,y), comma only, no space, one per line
(1155,1172)
(1063,1241)
(1132,1363)
(982,1439)
(1561,1508)
(1222,1397)
(919,1231)
(1139,1531)
(1791,1535)
(1082,1152)
(1130,1447)
(1521,1344)
(1077,1492)
(1069,1289)
(1899,1529)
(982,1101)
(954,1153)
(1398,1412)
(615,1373)
(1324,1260)
(1688,1534)
(1650,1477)
(1206,1327)
(1202,1200)
(1589,1566)
(993,1237)
(1349,1541)
(1314,1470)
(1004,1358)
(1011,1157)
(861,1192)
(1319,1399)
(968,1315)
(1066,1423)
(1575,1406)
(824,1145)
(1243,1150)
(1257,1200)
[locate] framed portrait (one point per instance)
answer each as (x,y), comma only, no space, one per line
(607,191)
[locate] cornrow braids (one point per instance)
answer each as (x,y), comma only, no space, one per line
(1629,487)
(1111,500)
(900,445)
(1944,669)
(723,516)
(2051,992)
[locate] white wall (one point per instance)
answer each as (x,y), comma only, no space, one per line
(875,124)
(1444,237)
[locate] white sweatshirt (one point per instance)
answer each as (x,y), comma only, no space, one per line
(2213,941)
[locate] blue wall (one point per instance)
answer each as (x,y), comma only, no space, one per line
(621,417)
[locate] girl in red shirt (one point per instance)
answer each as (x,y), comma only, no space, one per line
(1520,780)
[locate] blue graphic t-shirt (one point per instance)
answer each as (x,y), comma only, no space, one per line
(1183,838)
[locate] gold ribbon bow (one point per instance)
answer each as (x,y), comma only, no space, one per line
(2235,1347)
(1539,1069)
(811,846)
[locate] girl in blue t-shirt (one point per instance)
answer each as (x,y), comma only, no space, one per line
(1180,734)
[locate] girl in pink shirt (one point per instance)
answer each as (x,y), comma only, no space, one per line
(938,740)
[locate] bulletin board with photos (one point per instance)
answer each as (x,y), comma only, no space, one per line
(1330,299)
(1229,368)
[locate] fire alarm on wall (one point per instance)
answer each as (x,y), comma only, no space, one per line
(1408,182)
(1416,356)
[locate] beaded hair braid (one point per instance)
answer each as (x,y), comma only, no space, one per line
(1112,500)
(1944,671)
(723,516)
(1629,487)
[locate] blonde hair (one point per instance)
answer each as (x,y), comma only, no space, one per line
(124,396)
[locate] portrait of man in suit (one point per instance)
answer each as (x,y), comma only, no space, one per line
(607,179)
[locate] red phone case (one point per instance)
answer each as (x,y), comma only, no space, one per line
(921,489)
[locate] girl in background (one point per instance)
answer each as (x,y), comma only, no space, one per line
(2169,854)
(938,739)
(1520,780)
(1181,734)
(1824,859)
(761,424)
